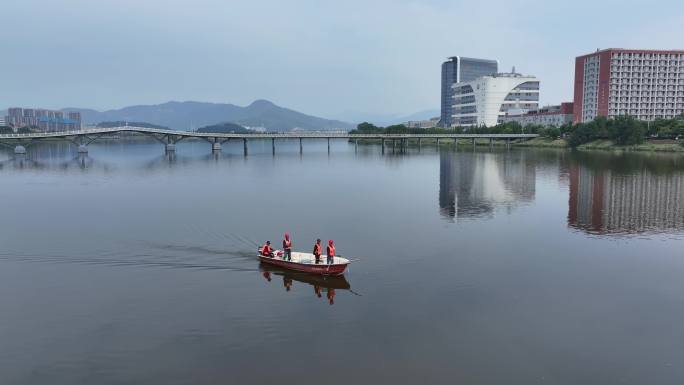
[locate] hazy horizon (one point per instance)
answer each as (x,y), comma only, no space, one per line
(323,59)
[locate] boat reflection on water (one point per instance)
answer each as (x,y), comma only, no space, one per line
(320,283)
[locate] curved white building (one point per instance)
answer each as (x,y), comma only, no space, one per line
(461,69)
(486,100)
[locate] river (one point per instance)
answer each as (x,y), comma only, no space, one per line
(473,266)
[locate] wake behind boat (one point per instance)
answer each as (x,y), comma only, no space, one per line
(306,262)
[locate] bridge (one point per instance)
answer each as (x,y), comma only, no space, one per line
(169,138)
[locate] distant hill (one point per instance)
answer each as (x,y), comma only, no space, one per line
(225,128)
(134,124)
(422,115)
(384,120)
(191,115)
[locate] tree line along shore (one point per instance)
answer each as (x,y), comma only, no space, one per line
(620,133)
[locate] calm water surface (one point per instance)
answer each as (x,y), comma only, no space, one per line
(474,266)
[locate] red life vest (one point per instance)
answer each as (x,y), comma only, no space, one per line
(331,251)
(266,250)
(317,250)
(287,244)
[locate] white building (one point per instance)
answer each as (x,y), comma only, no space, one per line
(486,100)
(3,122)
(429,123)
(546,116)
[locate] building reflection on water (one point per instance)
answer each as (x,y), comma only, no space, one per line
(604,201)
(473,184)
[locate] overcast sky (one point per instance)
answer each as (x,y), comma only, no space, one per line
(317,56)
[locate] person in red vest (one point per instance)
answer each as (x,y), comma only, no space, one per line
(267,275)
(317,251)
(330,251)
(287,248)
(331,296)
(266,250)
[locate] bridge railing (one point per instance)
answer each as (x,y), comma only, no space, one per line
(317,135)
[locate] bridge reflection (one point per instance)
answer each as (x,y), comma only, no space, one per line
(82,162)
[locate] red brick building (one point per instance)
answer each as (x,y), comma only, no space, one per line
(646,84)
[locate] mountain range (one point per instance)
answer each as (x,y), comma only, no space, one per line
(193,115)
(384,120)
(261,113)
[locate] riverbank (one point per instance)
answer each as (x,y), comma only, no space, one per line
(657,145)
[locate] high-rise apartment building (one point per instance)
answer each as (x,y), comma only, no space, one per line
(461,69)
(646,84)
(44,120)
(487,100)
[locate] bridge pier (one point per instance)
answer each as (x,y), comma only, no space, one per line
(82,158)
(244,145)
(356,145)
(438,143)
(419,144)
(82,149)
(273,145)
(491,142)
(473,141)
(19,150)
(383,145)
(508,142)
(301,148)
(328,146)
(169,141)
(215,145)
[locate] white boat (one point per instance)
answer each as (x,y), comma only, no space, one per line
(306,262)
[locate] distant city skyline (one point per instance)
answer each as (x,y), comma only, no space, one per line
(330,60)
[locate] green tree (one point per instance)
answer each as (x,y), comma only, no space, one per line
(512,128)
(367,128)
(678,129)
(534,129)
(601,127)
(566,129)
(552,132)
(396,129)
(626,130)
(655,127)
(581,133)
